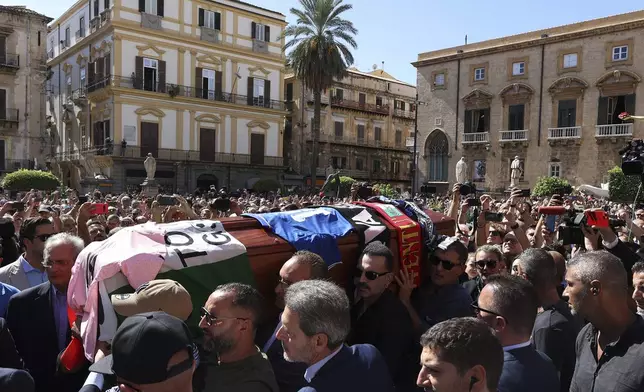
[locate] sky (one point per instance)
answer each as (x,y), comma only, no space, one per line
(396,31)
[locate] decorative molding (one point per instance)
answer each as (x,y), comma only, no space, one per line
(618,76)
(143,48)
(210,59)
(259,68)
(568,84)
(618,82)
(67,68)
(516,92)
(117,37)
(208,118)
(258,123)
(478,99)
(193,52)
(81,116)
(153,111)
(80,59)
(182,50)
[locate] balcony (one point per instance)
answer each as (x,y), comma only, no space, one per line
(9,62)
(9,118)
(563,133)
(514,136)
(80,34)
(360,106)
(404,114)
(614,130)
(210,35)
(11,165)
(50,54)
(358,141)
(150,21)
(260,46)
(476,137)
(178,91)
(79,96)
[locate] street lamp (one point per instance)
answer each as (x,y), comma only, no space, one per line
(414,180)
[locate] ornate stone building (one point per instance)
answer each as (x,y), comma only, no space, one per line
(552,97)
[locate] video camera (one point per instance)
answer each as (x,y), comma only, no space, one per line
(570,230)
(467,188)
(633,158)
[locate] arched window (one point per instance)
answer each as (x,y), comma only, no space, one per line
(436,153)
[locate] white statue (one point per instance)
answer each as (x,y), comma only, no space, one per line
(329,170)
(150,165)
(516,172)
(461,171)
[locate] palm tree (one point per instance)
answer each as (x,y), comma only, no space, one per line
(320,42)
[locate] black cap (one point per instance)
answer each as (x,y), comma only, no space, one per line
(142,348)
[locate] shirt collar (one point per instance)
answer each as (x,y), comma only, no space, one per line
(312,370)
(26,266)
(515,346)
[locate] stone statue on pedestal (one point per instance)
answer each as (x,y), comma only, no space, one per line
(461,171)
(150,165)
(516,172)
(329,170)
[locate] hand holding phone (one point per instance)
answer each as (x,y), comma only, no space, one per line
(99,209)
(597,218)
(166,200)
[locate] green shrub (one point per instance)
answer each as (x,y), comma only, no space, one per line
(623,188)
(345,186)
(385,190)
(547,186)
(266,185)
(24,180)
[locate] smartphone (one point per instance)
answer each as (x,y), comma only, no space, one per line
(18,205)
(83,199)
(598,218)
(493,216)
(166,200)
(473,202)
(525,193)
(550,222)
(99,209)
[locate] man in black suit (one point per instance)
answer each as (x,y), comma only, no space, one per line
(315,323)
(508,304)
(489,261)
(38,321)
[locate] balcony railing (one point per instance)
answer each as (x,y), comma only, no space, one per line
(10,115)
(564,133)
(476,137)
(357,141)
(9,60)
(356,105)
(513,136)
(176,155)
(174,90)
(80,33)
(10,165)
(614,130)
(404,114)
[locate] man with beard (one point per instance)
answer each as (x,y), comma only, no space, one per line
(610,348)
(638,286)
(315,322)
(380,318)
(489,261)
(229,320)
(303,265)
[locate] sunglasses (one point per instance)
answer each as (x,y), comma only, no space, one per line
(446,264)
(370,275)
(490,264)
(43,237)
(478,310)
(210,319)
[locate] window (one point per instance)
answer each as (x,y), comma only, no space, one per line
(68,87)
(398,138)
(258,90)
(567,113)
(479,74)
(260,32)
(570,60)
(212,20)
(150,74)
(378,101)
(339,162)
(359,164)
(106,4)
(362,98)
(81,28)
(95,8)
(376,165)
(339,129)
(609,108)
(620,53)
(208,83)
(439,79)
(516,115)
(477,120)
(517,68)
(39,38)
(377,133)
(151,7)
(339,94)
(395,167)
(360,133)
(82,77)
(555,169)
(67,37)
(289,92)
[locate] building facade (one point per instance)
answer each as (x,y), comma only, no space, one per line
(365,121)
(550,97)
(195,83)
(23,138)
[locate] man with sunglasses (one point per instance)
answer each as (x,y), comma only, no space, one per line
(151,352)
(489,261)
(508,304)
(28,270)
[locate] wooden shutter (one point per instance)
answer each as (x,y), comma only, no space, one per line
(160,8)
(141,6)
(402,106)
(138,72)
(339,128)
(360,131)
(629,103)
(218,86)
(267,93)
(250,89)
(468,121)
(257,148)
(217,21)
(289,92)
(207,144)
(253,26)
(3,47)
(100,69)
(202,17)
(3,104)
(199,82)
(107,64)
(162,80)
(107,129)
(267,33)
(602,111)
(106,4)
(362,98)
(90,75)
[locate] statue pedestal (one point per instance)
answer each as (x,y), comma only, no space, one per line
(150,188)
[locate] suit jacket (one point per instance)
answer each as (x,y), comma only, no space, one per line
(474,287)
(15,380)
(9,357)
(30,317)
(356,368)
(528,370)
(14,275)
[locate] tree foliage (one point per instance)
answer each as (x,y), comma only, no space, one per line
(385,190)
(622,187)
(548,186)
(24,180)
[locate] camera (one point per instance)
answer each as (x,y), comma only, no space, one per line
(569,232)
(467,189)
(633,158)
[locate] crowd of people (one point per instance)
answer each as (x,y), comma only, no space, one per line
(508,303)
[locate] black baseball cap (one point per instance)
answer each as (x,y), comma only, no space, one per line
(142,348)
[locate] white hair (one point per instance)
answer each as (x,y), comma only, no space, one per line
(62,239)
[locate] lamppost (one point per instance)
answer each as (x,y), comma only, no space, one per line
(414,180)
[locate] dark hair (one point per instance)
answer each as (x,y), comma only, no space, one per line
(466,342)
(319,269)
(460,249)
(539,267)
(245,297)
(377,248)
(556,247)
(638,267)
(516,300)
(28,228)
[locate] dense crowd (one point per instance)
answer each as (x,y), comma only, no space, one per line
(529,294)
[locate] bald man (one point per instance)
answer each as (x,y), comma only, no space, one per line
(610,348)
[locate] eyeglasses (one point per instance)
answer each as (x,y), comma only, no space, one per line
(43,237)
(490,264)
(210,319)
(446,264)
(50,264)
(495,233)
(478,310)
(370,275)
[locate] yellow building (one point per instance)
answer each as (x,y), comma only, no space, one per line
(365,122)
(197,84)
